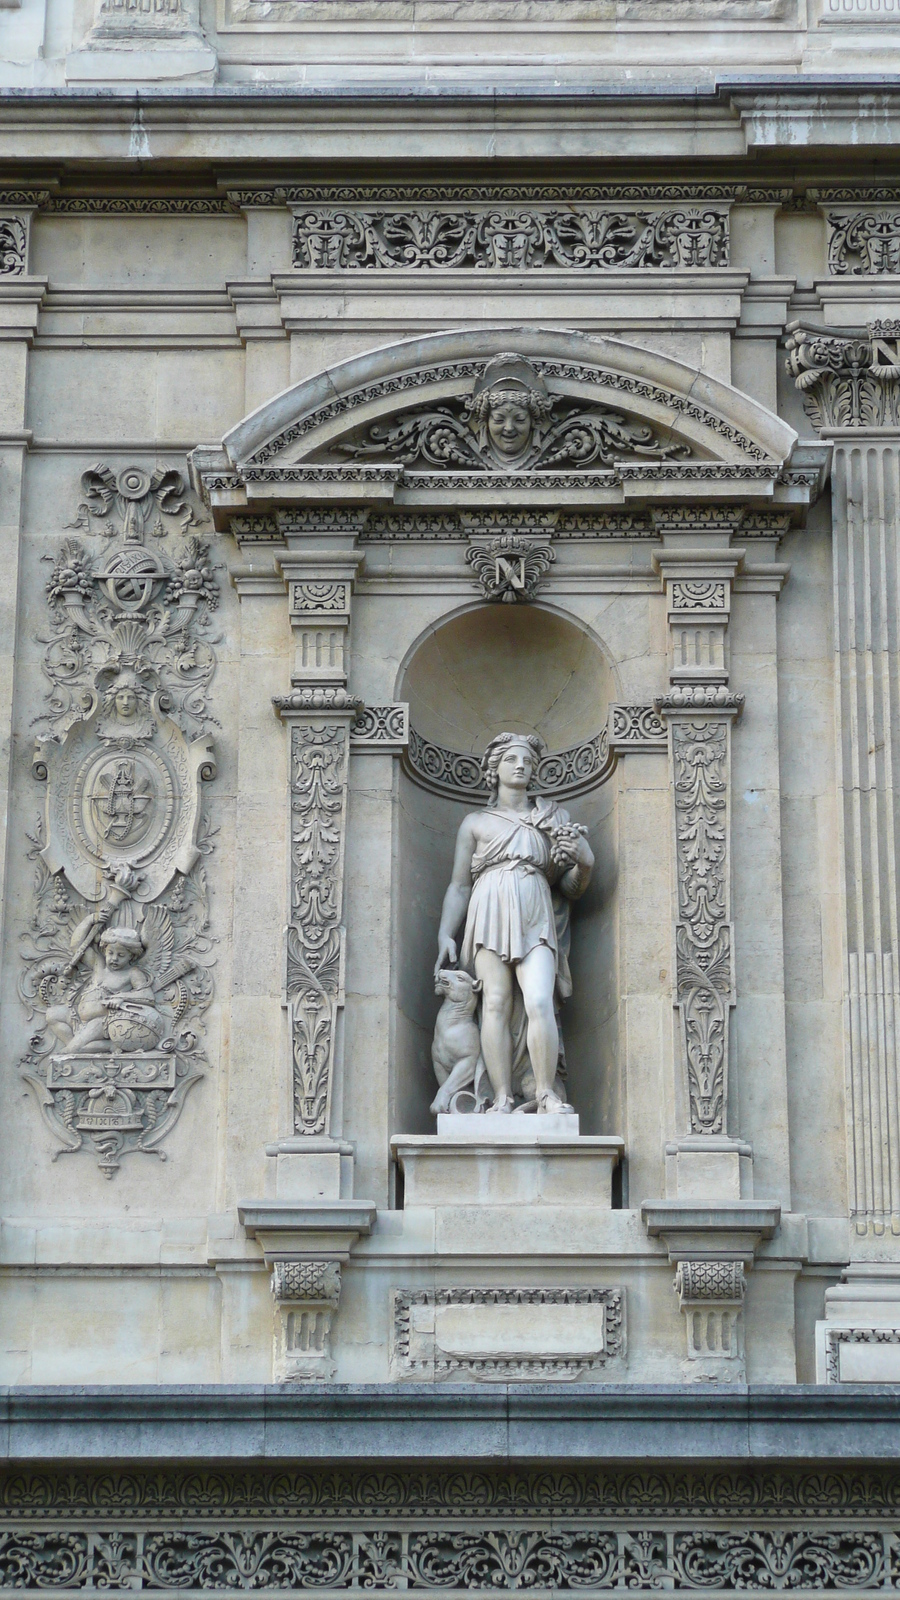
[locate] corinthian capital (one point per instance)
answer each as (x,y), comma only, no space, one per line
(849,377)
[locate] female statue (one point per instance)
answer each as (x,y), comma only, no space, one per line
(508,858)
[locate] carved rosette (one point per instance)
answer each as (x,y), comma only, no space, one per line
(116,960)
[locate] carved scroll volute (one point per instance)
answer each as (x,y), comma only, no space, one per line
(699,709)
(319,713)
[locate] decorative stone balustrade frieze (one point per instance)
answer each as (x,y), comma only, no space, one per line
(850,380)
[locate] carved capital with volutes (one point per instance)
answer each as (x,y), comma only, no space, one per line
(849,377)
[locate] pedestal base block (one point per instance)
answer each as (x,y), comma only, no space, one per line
(536,1168)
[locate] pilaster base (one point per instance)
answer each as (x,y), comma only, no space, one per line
(859,1340)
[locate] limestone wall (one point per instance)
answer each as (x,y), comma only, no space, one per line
(261,636)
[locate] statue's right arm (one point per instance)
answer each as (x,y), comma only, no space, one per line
(458,893)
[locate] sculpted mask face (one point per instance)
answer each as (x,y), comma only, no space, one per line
(126,703)
(509,424)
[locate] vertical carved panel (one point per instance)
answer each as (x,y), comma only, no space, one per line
(315,937)
(703,945)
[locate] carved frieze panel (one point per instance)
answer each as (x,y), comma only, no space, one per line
(505,1335)
(695,1529)
(864,242)
(116,961)
(13,245)
(515,238)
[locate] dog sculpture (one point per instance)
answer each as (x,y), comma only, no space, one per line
(456,1048)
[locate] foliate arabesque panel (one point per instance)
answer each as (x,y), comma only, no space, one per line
(116,961)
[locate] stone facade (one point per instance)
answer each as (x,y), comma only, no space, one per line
(449,494)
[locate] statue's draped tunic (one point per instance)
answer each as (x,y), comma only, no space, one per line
(512,908)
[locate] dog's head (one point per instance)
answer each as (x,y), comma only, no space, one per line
(457,986)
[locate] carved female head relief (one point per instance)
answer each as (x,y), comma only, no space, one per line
(511,404)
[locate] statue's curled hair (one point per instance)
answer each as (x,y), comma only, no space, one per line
(493,755)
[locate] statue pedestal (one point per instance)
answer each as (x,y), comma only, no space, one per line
(531,1167)
(523,1127)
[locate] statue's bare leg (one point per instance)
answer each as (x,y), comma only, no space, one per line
(496,1024)
(91,1036)
(537,980)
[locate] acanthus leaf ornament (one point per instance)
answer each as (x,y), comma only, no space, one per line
(848,379)
(116,961)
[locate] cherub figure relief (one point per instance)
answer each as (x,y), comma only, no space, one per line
(119,1008)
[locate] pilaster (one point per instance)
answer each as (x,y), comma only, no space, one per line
(308,1229)
(21,296)
(708,1222)
(850,380)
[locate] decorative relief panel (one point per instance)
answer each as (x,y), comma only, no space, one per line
(636,728)
(515,239)
(116,962)
(703,935)
(459,776)
(464,430)
(315,937)
(510,568)
(864,242)
(505,1335)
(510,422)
(13,246)
(381,728)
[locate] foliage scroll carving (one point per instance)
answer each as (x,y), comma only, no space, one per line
(515,238)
